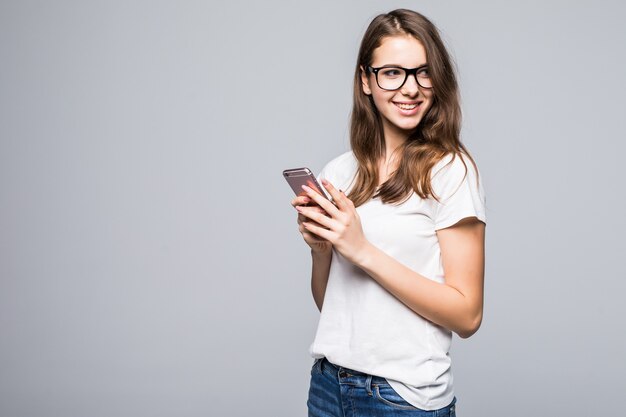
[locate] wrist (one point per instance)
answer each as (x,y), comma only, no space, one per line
(323,254)
(364,256)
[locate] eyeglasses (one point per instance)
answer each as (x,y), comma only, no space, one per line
(393,78)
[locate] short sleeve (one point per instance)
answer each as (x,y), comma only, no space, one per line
(323,173)
(458,187)
(340,172)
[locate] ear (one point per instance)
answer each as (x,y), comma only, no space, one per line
(365,82)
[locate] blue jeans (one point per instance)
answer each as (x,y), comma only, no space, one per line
(343,392)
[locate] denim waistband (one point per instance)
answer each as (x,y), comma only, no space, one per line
(350,383)
(349,376)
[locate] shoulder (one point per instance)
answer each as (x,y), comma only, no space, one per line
(454,167)
(453,171)
(454,164)
(346,159)
(340,171)
(342,165)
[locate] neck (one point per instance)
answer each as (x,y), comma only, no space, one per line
(394,137)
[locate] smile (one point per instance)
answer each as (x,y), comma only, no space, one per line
(406,106)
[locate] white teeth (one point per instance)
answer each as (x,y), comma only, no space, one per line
(406,106)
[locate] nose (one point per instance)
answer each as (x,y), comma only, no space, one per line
(410,87)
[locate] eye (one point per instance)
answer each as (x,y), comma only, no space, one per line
(423,72)
(391,72)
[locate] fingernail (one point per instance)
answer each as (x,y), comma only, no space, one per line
(324,182)
(304,187)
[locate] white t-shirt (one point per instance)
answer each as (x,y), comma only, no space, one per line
(365,328)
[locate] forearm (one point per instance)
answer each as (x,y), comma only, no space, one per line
(440,303)
(319,275)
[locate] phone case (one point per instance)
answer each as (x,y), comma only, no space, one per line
(297,177)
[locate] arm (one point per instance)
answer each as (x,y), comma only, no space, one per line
(321,253)
(319,275)
(456,304)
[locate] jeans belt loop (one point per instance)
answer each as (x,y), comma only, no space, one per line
(368,384)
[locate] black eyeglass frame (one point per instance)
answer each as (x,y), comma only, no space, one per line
(407,72)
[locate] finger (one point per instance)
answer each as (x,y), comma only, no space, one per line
(314,215)
(318,231)
(310,236)
(338,196)
(323,202)
(318,209)
(302,218)
(300,200)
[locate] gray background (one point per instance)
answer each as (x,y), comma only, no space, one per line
(150,263)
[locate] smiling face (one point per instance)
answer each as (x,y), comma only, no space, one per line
(401,110)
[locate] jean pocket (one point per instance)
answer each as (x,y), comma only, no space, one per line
(387,395)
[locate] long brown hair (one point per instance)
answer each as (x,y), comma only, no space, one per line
(437,133)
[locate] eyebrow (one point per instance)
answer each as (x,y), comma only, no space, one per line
(400,66)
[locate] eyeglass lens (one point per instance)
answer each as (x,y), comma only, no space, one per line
(394,78)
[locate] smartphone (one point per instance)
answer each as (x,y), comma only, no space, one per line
(297,177)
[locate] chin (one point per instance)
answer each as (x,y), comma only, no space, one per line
(409,127)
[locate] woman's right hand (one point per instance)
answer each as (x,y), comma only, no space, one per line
(316,243)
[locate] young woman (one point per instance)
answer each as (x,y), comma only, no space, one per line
(398,259)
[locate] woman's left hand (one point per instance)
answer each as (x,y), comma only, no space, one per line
(342,225)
